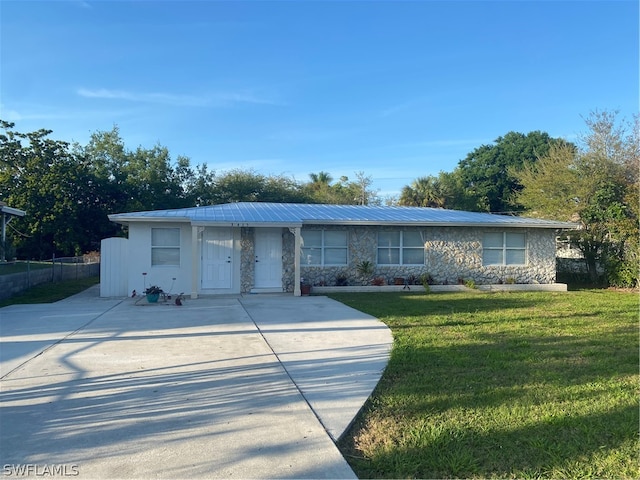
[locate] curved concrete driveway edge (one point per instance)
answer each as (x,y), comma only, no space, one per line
(333,353)
(251,387)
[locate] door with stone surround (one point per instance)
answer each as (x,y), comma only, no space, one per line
(268,258)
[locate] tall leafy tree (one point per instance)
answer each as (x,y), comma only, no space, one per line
(485,176)
(249,186)
(595,185)
(58,190)
(143,179)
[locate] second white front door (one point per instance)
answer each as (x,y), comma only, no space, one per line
(268,258)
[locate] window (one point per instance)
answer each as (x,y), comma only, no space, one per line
(504,248)
(323,247)
(400,248)
(165,247)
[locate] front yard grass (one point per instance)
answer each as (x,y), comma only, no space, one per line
(51,292)
(502,385)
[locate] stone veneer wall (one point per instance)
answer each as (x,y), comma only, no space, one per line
(247,259)
(451,254)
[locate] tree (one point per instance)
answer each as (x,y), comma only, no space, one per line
(248,186)
(485,173)
(58,190)
(424,192)
(319,189)
(143,179)
(595,185)
(342,192)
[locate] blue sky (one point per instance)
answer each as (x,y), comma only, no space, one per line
(396,89)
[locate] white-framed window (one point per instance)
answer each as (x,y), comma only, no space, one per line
(400,248)
(504,248)
(165,247)
(323,247)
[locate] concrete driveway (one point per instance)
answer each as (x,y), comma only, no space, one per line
(256,386)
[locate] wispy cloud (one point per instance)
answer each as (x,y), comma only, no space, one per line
(12,115)
(220,99)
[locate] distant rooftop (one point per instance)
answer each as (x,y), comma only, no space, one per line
(5,209)
(298,214)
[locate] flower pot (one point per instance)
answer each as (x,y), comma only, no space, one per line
(305,289)
(153,297)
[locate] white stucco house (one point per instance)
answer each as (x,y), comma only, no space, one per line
(271,247)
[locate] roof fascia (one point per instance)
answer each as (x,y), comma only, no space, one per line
(247,224)
(560,226)
(12,211)
(127,220)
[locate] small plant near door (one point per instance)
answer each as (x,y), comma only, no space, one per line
(153,293)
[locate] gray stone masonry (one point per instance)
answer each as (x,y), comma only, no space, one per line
(452,255)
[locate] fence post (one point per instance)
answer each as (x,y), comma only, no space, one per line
(28,273)
(53,268)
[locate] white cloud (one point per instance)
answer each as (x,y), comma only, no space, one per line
(219,99)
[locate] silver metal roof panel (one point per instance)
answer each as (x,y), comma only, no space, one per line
(296,214)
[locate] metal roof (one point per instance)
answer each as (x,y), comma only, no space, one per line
(11,211)
(298,214)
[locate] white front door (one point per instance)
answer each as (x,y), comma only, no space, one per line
(217,255)
(268,258)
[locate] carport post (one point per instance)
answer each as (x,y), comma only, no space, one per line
(296,262)
(195,260)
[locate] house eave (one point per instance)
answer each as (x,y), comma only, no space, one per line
(555,226)
(12,211)
(246,224)
(133,219)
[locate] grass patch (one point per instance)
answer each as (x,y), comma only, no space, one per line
(502,385)
(51,292)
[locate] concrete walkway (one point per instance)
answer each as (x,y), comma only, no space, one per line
(256,386)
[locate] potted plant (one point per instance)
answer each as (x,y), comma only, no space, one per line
(305,288)
(153,293)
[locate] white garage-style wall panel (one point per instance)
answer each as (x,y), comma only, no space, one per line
(114,275)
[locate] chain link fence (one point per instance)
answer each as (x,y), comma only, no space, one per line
(19,275)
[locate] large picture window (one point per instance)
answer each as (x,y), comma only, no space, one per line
(400,248)
(504,248)
(323,247)
(165,247)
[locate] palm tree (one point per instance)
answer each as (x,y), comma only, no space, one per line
(320,179)
(423,192)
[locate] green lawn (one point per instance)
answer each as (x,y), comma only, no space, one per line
(51,292)
(502,385)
